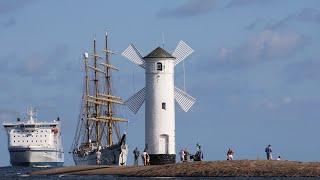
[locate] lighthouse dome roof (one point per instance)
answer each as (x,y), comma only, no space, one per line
(159,53)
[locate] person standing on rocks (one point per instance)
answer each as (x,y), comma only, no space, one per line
(148,159)
(268,151)
(182,155)
(230,154)
(186,155)
(199,155)
(136,154)
(98,157)
(145,157)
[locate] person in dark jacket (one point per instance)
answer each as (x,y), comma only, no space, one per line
(268,151)
(136,155)
(199,155)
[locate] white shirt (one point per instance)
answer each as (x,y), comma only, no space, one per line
(98,154)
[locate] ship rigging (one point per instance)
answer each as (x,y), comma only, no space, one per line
(99,125)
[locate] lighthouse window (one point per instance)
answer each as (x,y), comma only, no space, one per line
(159,66)
(164,105)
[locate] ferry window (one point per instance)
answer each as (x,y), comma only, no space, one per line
(164,105)
(18,141)
(32,141)
(14,141)
(14,136)
(159,66)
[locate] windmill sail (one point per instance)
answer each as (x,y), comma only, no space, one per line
(133,55)
(135,102)
(184,100)
(181,52)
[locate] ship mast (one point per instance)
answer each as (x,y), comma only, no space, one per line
(96,91)
(108,92)
(99,101)
(98,122)
(87,94)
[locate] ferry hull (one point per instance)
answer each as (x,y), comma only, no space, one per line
(114,155)
(30,157)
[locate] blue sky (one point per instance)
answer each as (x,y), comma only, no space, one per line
(254,71)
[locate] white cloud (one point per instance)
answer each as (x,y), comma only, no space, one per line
(224,52)
(266,45)
(243,3)
(287,100)
(305,15)
(271,44)
(189,8)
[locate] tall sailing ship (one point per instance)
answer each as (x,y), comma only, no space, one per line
(98,130)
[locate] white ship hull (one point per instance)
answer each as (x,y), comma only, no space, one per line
(34,143)
(114,155)
(36,157)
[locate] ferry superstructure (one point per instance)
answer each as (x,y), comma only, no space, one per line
(35,143)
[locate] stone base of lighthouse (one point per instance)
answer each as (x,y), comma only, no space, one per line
(159,159)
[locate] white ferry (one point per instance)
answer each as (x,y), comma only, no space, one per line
(33,143)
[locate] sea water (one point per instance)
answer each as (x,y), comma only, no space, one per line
(8,173)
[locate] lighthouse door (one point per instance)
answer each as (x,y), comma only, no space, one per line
(164,144)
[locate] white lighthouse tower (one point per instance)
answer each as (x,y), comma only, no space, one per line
(159,94)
